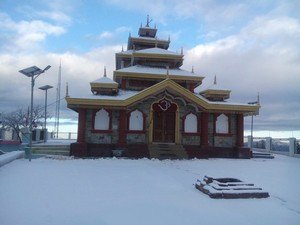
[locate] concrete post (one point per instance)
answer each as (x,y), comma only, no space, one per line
(249,141)
(268,144)
(25,135)
(292,146)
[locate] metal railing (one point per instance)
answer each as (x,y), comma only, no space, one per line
(63,135)
(286,146)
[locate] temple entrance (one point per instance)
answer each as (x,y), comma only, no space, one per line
(164,121)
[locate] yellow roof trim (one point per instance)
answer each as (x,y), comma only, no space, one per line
(158,76)
(168,83)
(160,56)
(104,85)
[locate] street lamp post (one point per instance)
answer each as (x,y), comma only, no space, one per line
(253,103)
(32,72)
(45,88)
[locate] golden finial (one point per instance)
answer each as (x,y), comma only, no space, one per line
(67,91)
(167,75)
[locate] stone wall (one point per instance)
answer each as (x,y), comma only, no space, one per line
(102,138)
(143,138)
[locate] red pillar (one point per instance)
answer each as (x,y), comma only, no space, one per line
(204,129)
(122,128)
(192,87)
(240,130)
(123,83)
(81,125)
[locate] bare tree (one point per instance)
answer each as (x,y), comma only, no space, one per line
(19,119)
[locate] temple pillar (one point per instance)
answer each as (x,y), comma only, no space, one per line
(79,148)
(122,128)
(204,129)
(240,130)
(123,84)
(81,125)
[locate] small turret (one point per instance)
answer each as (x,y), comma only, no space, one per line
(104,86)
(147,31)
(215,92)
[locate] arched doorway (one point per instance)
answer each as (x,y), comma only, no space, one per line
(164,121)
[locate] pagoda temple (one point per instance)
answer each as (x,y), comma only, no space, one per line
(153,108)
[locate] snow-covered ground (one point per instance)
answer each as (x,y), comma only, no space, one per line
(123,191)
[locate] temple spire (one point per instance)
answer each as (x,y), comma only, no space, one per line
(258,98)
(167,75)
(215,80)
(192,69)
(104,71)
(181,52)
(122,49)
(67,90)
(148,21)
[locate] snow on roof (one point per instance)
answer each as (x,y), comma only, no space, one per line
(128,52)
(220,102)
(122,95)
(156,71)
(104,80)
(157,51)
(217,87)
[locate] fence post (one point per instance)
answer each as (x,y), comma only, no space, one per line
(292,146)
(268,144)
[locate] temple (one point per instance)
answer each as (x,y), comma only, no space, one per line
(153,108)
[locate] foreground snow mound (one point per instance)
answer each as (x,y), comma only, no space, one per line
(123,191)
(11,156)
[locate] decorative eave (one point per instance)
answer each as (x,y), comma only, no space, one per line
(157,56)
(157,76)
(225,94)
(104,85)
(74,103)
(145,40)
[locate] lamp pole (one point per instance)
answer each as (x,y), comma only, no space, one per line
(45,88)
(253,103)
(32,72)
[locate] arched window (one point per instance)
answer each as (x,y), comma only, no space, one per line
(102,120)
(222,125)
(136,120)
(191,123)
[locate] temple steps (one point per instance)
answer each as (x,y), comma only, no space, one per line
(167,151)
(262,155)
(51,149)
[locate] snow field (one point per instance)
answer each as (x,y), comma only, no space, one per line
(124,191)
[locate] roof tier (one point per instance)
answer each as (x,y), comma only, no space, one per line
(157,72)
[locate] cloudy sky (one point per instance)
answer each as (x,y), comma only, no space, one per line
(251,46)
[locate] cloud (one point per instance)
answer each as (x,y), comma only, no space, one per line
(77,69)
(263,57)
(23,35)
